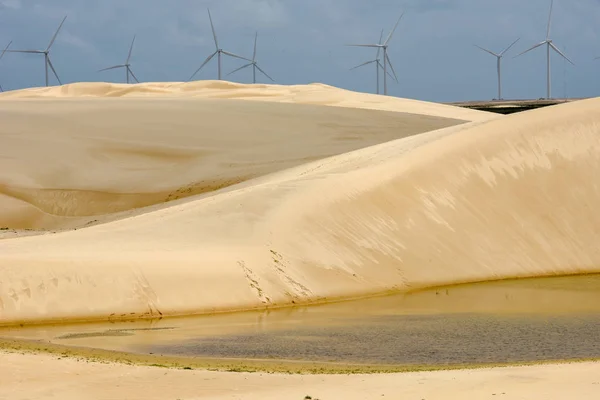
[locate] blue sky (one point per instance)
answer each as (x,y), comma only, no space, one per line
(303,42)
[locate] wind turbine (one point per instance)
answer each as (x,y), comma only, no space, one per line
(2,55)
(46,53)
(549,45)
(253,63)
(127,66)
(386,58)
(217,52)
(499,58)
(377,62)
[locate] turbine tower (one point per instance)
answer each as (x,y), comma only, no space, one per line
(127,65)
(218,52)
(498,59)
(549,45)
(254,64)
(2,55)
(377,62)
(386,58)
(46,53)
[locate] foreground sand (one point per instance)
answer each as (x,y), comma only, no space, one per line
(508,197)
(26,376)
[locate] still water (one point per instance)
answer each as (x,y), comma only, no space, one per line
(493,322)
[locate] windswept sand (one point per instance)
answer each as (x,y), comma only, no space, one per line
(508,197)
(313,94)
(66,162)
(26,376)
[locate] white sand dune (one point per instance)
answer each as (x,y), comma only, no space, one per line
(27,376)
(64,162)
(508,197)
(314,94)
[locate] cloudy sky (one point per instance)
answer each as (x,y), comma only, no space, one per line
(302,41)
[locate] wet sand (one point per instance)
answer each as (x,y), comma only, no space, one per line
(511,321)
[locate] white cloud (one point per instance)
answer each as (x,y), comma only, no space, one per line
(184,37)
(67,37)
(263,13)
(12,4)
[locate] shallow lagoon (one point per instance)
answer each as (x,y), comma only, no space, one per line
(492,322)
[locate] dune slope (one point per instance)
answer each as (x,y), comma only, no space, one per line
(510,197)
(65,162)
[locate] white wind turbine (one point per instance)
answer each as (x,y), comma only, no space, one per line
(386,58)
(127,65)
(46,53)
(217,52)
(549,45)
(2,55)
(498,63)
(253,64)
(377,62)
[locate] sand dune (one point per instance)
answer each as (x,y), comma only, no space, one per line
(314,94)
(64,163)
(509,197)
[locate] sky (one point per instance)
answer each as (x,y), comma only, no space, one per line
(303,41)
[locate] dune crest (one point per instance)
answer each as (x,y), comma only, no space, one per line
(314,94)
(509,197)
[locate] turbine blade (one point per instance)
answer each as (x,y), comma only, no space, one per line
(388,72)
(213,30)
(365,45)
(237,69)
(487,51)
(391,67)
(561,53)
(379,48)
(531,48)
(203,64)
(506,49)
(1,89)
(365,63)
(549,20)
(264,73)
(56,33)
(254,54)
(25,51)
(393,30)
(596,58)
(113,67)
(53,70)
(132,74)
(391,76)
(235,55)
(130,50)
(6,48)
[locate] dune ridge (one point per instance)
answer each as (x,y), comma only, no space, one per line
(504,198)
(313,94)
